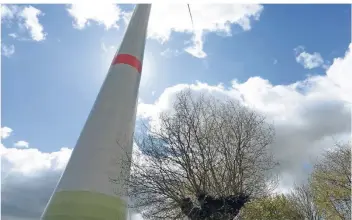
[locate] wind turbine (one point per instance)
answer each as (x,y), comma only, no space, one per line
(85,190)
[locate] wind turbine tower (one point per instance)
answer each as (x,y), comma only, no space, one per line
(85,190)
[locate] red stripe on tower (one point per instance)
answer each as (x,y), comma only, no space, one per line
(129,60)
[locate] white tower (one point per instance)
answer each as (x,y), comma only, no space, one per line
(84,190)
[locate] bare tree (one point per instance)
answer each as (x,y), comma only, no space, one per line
(302,199)
(204,159)
(331,183)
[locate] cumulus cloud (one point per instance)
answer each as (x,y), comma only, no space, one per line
(5,132)
(216,18)
(103,14)
(31,22)
(27,19)
(308,60)
(8,12)
(21,144)
(168,18)
(308,115)
(28,179)
(7,51)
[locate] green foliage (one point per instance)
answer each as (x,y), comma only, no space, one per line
(273,208)
(331,184)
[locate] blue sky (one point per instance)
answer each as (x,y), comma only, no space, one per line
(48,86)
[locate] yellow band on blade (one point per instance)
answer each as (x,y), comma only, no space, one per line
(79,205)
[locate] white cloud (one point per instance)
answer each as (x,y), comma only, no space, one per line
(8,12)
(5,132)
(7,51)
(216,18)
(103,13)
(165,19)
(28,178)
(21,144)
(340,73)
(31,22)
(307,114)
(13,35)
(31,162)
(309,61)
(27,19)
